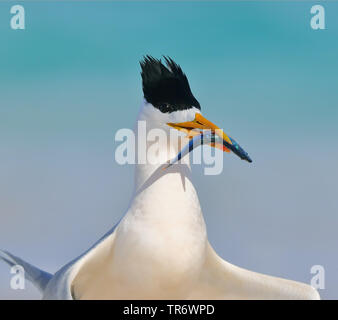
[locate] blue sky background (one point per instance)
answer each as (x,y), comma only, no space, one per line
(72,78)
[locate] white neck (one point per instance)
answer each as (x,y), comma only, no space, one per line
(169,195)
(164,229)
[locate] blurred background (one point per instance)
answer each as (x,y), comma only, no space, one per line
(71,79)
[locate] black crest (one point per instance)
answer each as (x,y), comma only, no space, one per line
(166,87)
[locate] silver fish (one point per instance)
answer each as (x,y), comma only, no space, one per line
(203,138)
(209,137)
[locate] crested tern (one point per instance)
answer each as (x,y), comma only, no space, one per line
(160,248)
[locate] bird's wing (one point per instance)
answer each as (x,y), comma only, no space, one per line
(222,280)
(38,277)
(62,286)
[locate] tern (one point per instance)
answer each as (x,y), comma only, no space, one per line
(160,248)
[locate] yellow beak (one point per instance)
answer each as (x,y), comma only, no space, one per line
(201,123)
(196,127)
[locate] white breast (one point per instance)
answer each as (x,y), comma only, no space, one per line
(161,242)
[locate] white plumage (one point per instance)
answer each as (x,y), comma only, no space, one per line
(160,249)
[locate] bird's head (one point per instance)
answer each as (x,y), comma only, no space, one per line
(169,103)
